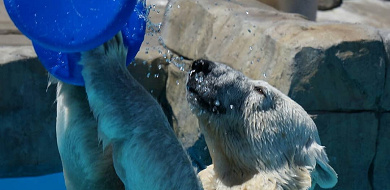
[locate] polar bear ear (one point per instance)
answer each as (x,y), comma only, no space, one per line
(325,176)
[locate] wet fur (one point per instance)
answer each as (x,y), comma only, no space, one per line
(138,146)
(258,137)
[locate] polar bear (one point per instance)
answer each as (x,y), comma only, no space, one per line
(258,137)
(126,141)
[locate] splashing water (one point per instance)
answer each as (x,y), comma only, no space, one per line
(153,31)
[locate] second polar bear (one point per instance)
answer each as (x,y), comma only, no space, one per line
(258,137)
(126,142)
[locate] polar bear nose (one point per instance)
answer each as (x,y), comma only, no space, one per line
(201,65)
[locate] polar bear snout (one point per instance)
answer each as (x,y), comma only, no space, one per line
(200,87)
(201,65)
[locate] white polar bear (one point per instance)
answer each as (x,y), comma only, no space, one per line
(139,150)
(258,137)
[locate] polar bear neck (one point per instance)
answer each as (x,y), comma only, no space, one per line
(262,147)
(229,169)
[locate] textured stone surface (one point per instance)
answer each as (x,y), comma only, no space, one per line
(347,76)
(9,34)
(186,129)
(27,120)
(381,165)
(303,7)
(14,53)
(350,140)
(289,51)
(385,100)
(328,4)
(370,12)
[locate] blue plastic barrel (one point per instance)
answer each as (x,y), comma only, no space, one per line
(61,29)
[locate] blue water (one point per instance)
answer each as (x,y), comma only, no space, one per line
(47,182)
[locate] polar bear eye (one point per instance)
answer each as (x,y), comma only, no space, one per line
(259,90)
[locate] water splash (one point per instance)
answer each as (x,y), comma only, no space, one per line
(217,103)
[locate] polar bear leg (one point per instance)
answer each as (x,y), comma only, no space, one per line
(85,165)
(146,152)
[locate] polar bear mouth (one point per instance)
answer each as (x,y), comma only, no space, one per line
(199,70)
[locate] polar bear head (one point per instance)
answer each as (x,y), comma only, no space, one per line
(250,126)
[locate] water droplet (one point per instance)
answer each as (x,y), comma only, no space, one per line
(250,48)
(231,107)
(148,75)
(247,12)
(199,78)
(178,6)
(265,76)
(217,103)
(249,30)
(177,82)
(156,75)
(159,67)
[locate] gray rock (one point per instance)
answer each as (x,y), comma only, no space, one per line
(385,100)
(289,52)
(369,12)
(350,140)
(328,4)
(303,7)
(27,120)
(381,165)
(185,123)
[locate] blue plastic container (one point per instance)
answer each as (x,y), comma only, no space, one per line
(61,29)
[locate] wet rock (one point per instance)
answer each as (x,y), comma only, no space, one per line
(187,129)
(27,117)
(328,4)
(303,7)
(369,12)
(350,141)
(385,100)
(381,165)
(288,51)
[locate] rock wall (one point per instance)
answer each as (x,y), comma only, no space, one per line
(27,118)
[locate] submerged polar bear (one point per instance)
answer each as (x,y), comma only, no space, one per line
(258,137)
(138,148)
